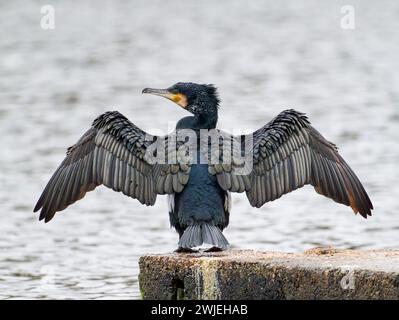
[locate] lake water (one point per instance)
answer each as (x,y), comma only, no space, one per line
(264,57)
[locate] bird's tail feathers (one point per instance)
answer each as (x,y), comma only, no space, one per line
(203,233)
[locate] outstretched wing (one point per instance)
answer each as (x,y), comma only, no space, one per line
(113,152)
(289,153)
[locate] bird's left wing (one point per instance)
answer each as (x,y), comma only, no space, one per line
(113,152)
(286,154)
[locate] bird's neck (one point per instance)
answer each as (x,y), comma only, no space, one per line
(207,121)
(200,121)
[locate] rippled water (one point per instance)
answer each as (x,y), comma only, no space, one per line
(263,56)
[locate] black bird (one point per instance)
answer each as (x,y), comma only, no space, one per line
(285,154)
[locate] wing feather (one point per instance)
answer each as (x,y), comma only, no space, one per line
(112,152)
(289,153)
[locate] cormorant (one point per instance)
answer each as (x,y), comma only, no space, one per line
(285,154)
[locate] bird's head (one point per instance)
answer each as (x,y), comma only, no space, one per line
(199,99)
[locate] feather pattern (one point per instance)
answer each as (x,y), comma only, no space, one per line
(113,152)
(289,153)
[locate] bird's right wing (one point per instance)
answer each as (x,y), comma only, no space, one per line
(113,152)
(288,153)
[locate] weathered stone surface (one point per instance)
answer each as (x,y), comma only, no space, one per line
(320,273)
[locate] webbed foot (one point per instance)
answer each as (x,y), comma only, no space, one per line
(185,250)
(214,249)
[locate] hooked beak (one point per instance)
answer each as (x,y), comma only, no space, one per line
(178,98)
